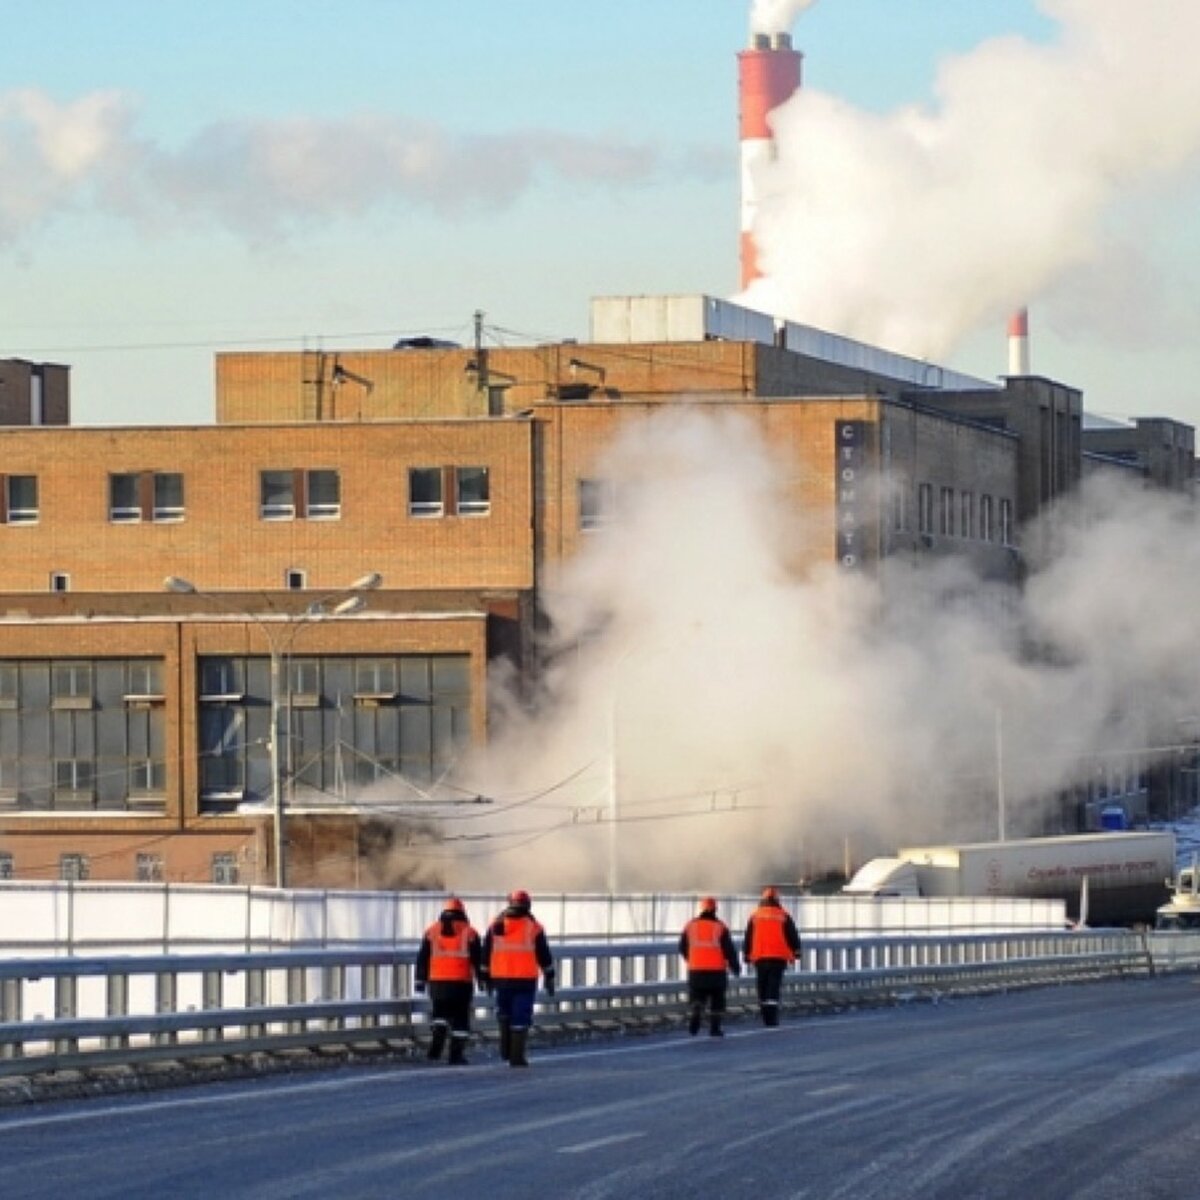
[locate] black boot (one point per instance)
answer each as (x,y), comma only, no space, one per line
(458,1051)
(516,1057)
(437,1043)
(765,1012)
(771,1016)
(694,1020)
(505,1039)
(714,1027)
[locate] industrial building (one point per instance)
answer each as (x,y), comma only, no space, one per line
(137,718)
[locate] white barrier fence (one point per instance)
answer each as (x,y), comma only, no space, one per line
(44,919)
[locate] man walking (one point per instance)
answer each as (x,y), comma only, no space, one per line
(771,945)
(450,955)
(707,948)
(515,951)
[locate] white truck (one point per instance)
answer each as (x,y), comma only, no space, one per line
(1182,910)
(1125,873)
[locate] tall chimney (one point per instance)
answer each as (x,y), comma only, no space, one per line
(768,74)
(1018,342)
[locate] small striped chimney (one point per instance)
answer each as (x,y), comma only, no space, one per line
(768,74)
(1018,342)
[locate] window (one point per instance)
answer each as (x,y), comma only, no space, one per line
(6,865)
(304,679)
(71,684)
(899,516)
(966,527)
(946,525)
(73,867)
(1006,525)
(925,508)
(375,677)
(145,496)
(20,499)
(474,496)
(149,868)
(276,495)
(73,775)
(597,504)
(324,495)
(285,495)
(224,867)
(221,677)
(987,529)
(144,678)
(168,496)
(425,492)
(124,498)
(147,777)
(60,581)
(294,579)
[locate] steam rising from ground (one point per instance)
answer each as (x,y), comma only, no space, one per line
(763,715)
(911,229)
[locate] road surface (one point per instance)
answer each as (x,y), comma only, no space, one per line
(1088,1091)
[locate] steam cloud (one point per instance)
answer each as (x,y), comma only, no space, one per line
(911,229)
(259,178)
(776,16)
(764,717)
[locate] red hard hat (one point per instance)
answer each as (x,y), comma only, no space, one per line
(708,904)
(454,904)
(519,897)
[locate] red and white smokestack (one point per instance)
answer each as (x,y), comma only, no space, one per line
(1018,342)
(768,74)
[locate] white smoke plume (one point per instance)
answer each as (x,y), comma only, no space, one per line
(1030,169)
(776,16)
(263,178)
(766,719)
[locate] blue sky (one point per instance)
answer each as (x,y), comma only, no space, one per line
(547,152)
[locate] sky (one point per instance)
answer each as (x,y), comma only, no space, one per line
(182,179)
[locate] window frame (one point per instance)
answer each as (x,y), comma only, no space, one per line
(276,510)
(18,514)
(426,509)
(479,506)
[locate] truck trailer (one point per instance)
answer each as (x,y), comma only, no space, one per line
(1126,873)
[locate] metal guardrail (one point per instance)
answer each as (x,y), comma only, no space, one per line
(63,1013)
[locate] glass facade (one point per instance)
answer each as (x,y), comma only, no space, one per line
(82,735)
(351,721)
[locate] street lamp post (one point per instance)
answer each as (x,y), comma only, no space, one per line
(279,639)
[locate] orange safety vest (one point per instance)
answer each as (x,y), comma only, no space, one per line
(768,939)
(450,957)
(514,952)
(704,945)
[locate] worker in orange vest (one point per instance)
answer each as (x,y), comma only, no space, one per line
(448,962)
(707,947)
(771,945)
(515,952)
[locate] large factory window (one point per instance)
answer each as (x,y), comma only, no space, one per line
(967,525)
(946,526)
(925,508)
(987,526)
(1006,523)
(358,721)
(82,733)
(135,496)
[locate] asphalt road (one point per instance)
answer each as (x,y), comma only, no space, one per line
(1088,1091)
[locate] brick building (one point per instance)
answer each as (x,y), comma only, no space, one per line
(136,723)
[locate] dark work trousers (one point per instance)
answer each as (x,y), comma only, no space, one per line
(708,988)
(768,974)
(451,1004)
(514,1001)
